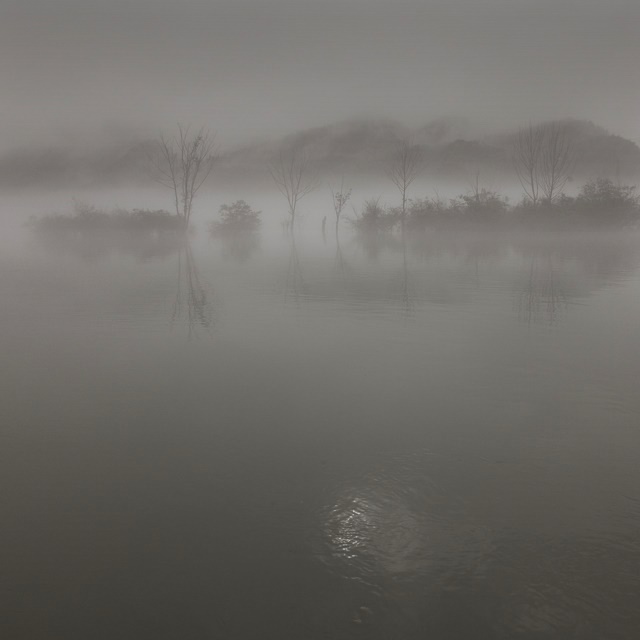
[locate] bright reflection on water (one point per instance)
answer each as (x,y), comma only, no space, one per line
(269,438)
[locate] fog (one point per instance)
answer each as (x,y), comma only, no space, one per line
(319,319)
(254,69)
(345,434)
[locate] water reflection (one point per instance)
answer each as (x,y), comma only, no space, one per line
(543,295)
(294,284)
(545,272)
(341,262)
(365,524)
(394,521)
(239,247)
(419,557)
(406,297)
(303,463)
(192,306)
(94,246)
(546,587)
(400,538)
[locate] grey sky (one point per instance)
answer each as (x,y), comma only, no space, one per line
(254,67)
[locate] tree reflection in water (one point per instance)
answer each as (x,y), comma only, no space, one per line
(240,247)
(543,296)
(406,297)
(341,263)
(192,306)
(294,285)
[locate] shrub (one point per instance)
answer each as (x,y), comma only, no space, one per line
(375,218)
(423,211)
(603,196)
(87,218)
(484,202)
(237,217)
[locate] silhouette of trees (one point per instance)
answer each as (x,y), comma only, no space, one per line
(544,159)
(292,175)
(527,151)
(238,228)
(235,218)
(87,218)
(603,197)
(374,218)
(339,197)
(182,163)
(557,160)
(404,168)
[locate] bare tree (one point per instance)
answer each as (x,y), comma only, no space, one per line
(404,168)
(292,175)
(183,163)
(557,160)
(527,151)
(544,160)
(339,197)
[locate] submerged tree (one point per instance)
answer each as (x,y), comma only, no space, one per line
(292,175)
(183,163)
(404,168)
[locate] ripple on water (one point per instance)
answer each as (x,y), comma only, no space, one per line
(398,522)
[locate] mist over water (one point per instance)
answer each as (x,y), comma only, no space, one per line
(292,437)
(319,320)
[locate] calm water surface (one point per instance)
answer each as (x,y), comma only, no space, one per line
(267,440)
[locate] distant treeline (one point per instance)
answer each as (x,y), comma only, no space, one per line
(600,201)
(237,217)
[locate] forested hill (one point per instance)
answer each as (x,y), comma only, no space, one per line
(453,149)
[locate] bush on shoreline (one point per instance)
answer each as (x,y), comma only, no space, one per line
(87,219)
(599,202)
(374,217)
(236,218)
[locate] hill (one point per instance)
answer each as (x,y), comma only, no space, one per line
(358,147)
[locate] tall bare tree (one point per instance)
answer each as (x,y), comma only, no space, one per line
(339,196)
(292,175)
(405,166)
(557,160)
(527,152)
(182,163)
(544,160)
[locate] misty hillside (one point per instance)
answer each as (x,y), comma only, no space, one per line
(361,148)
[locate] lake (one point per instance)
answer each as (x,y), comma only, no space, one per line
(294,439)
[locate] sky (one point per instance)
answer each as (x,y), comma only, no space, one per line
(79,70)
